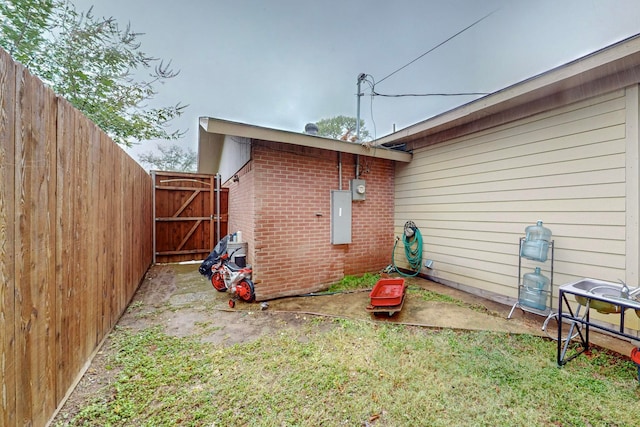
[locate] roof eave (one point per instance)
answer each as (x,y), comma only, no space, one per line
(226,127)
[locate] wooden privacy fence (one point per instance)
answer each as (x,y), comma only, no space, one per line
(75,242)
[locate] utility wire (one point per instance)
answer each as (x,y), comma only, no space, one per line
(374,93)
(372,85)
(437,46)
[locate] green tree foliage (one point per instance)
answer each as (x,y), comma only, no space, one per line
(342,127)
(21,27)
(91,62)
(171,158)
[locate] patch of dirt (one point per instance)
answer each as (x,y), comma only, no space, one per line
(183,303)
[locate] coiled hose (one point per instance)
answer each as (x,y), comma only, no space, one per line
(412,240)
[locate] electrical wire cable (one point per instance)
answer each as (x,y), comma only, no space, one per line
(437,46)
(372,83)
(375,133)
(374,93)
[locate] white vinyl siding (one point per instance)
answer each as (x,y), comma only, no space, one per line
(236,152)
(473,196)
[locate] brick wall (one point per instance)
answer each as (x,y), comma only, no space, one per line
(289,241)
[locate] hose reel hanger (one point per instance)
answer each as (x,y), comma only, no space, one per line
(410,229)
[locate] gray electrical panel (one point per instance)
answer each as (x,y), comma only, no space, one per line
(340,217)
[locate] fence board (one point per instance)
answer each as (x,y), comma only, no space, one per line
(93,260)
(34,237)
(66,294)
(7,263)
(75,242)
(102,238)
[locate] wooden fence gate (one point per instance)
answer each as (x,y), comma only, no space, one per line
(190,212)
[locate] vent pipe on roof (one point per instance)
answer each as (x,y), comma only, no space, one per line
(311,129)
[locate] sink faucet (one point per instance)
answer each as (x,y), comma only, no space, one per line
(624,292)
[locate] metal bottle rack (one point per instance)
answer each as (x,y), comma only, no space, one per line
(547,312)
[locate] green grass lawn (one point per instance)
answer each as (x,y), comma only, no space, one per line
(358,373)
(355,373)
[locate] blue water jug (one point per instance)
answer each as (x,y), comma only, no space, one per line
(534,290)
(536,243)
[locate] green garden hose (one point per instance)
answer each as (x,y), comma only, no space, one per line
(412,240)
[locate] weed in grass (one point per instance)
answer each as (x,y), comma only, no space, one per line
(202,324)
(429,295)
(134,305)
(317,320)
(351,283)
(206,328)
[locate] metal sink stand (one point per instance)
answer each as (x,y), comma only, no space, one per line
(584,324)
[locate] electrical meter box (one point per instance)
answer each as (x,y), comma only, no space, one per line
(340,217)
(358,189)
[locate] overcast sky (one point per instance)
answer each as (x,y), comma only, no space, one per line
(284,63)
